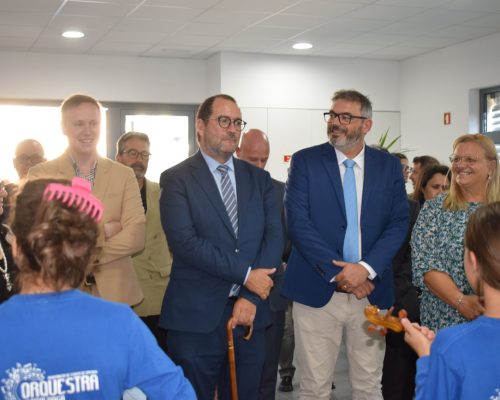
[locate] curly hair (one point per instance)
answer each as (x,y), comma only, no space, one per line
(55,241)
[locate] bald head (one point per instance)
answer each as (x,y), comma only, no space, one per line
(254,148)
(29,152)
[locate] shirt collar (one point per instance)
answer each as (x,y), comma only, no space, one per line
(213,164)
(359,159)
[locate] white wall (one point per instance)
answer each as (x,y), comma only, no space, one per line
(285,96)
(446,80)
(55,76)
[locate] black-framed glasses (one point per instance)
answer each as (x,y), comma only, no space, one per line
(344,118)
(133,153)
(469,160)
(33,159)
(225,122)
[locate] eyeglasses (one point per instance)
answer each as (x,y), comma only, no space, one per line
(133,153)
(438,186)
(225,122)
(406,168)
(344,118)
(469,160)
(33,159)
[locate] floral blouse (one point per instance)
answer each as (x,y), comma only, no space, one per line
(437,243)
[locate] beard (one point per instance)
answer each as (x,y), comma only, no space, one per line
(342,139)
(139,170)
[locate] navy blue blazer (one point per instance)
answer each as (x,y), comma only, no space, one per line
(316,221)
(207,256)
(276,300)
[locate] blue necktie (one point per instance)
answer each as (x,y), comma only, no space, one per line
(351,246)
(229,200)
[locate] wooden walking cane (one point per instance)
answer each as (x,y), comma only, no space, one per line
(231,357)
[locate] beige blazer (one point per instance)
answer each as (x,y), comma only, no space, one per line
(116,186)
(153,264)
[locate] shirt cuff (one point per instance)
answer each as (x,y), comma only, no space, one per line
(371,272)
(246,276)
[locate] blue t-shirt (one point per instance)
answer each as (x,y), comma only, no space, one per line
(69,345)
(464,363)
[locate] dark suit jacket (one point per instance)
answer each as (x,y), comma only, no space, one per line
(207,257)
(405,292)
(276,300)
(316,223)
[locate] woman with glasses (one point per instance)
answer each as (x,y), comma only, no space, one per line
(433,182)
(438,236)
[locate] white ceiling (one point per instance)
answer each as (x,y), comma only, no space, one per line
(380,29)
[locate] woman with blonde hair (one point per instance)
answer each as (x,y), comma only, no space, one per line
(438,235)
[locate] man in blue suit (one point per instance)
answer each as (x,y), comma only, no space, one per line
(222,222)
(347,217)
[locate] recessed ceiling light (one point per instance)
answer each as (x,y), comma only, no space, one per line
(73,34)
(302,46)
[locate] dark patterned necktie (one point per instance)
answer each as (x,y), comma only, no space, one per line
(229,197)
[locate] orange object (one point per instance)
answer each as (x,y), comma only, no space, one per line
(231,356)
(383,322)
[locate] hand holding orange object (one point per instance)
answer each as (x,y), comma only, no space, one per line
(383,322)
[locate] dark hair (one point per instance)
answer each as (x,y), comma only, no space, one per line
(401,156)
(75,100)
(120,145)
(357,97)
(426,175)
(483,238)
(206,108)
(55,241)
(424,161)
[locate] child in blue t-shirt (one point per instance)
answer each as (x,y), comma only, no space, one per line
(58,342)
(461,362)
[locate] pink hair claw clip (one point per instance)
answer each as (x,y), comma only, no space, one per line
(77,195)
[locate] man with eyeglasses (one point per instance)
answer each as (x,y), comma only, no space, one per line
(29,153)
(347,216)
(122,229)
(222,221)
(152,264)
(419,164)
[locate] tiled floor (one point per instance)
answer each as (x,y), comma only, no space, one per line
(341,379)
(342,386)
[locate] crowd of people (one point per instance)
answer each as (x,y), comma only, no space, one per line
(218,239)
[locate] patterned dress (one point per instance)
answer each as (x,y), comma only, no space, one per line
(437,243)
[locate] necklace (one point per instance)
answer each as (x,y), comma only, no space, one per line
(5,269)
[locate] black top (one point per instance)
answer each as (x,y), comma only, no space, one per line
(4,294)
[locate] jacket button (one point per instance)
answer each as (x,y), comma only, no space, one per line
(236,250)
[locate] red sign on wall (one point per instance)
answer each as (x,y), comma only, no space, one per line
(447,118)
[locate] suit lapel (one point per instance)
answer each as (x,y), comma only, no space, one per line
(65,166)
(370,175)
(102,177)
(243,191)
(202,175)
(329,159)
